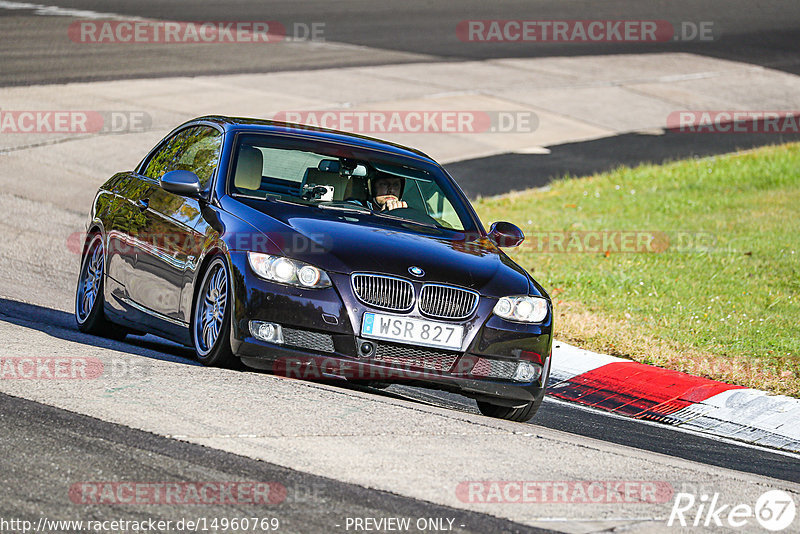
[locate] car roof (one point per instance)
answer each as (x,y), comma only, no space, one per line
(250,125)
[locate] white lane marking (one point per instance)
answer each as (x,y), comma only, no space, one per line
(759,418)
(706,435)
(50,11)
(187,436)
(595,520)
(769,420)
(757,409)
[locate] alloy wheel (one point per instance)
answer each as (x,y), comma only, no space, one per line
(211,309)
(91,279)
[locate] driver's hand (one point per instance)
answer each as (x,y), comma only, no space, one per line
(393,204)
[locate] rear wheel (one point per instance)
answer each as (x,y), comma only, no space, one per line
(211,323)
(89,294)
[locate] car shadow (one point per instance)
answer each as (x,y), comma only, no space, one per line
(61,325)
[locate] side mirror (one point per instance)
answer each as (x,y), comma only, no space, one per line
(505,234)
(184,183)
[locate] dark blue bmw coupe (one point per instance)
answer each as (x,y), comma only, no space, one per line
(319,255)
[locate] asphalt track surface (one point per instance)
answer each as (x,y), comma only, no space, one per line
(40,437)
(38,51)
(41,448)
(554,414)
(523,171)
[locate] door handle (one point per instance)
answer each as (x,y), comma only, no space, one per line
(143,204)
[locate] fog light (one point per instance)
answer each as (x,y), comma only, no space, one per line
(367,349)
(527,372)
(270,332)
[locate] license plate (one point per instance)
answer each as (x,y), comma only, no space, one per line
(412,331)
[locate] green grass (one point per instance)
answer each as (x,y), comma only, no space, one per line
(729,311)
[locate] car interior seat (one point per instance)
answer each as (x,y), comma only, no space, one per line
(249,166)
(357,189)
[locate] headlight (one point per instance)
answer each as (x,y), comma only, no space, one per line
(287,271)
(523,309)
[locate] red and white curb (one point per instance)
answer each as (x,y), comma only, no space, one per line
(645,392)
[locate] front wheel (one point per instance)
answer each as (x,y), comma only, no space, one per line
(520,415)
(211,323)
(89,295)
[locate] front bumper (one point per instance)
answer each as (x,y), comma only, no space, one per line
(322,342)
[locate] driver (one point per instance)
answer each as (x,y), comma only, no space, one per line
(385,191)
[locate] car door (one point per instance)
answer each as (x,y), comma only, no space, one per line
(125,221)
(167,246)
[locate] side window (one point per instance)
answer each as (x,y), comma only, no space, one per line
(194,149)
(438,206)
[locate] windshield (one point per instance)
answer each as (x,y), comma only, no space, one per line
(314,178)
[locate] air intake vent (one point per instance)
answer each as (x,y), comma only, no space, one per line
(308,340)
(447,302)
(411,357)
(384,292)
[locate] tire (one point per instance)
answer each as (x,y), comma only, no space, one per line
(89,300)
(211,319)
(520,415)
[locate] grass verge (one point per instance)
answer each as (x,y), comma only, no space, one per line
(692,265)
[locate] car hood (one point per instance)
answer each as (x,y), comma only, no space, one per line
(348,242)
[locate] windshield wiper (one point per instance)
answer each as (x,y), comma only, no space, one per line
(344,206)
(270,198)
(387,214)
